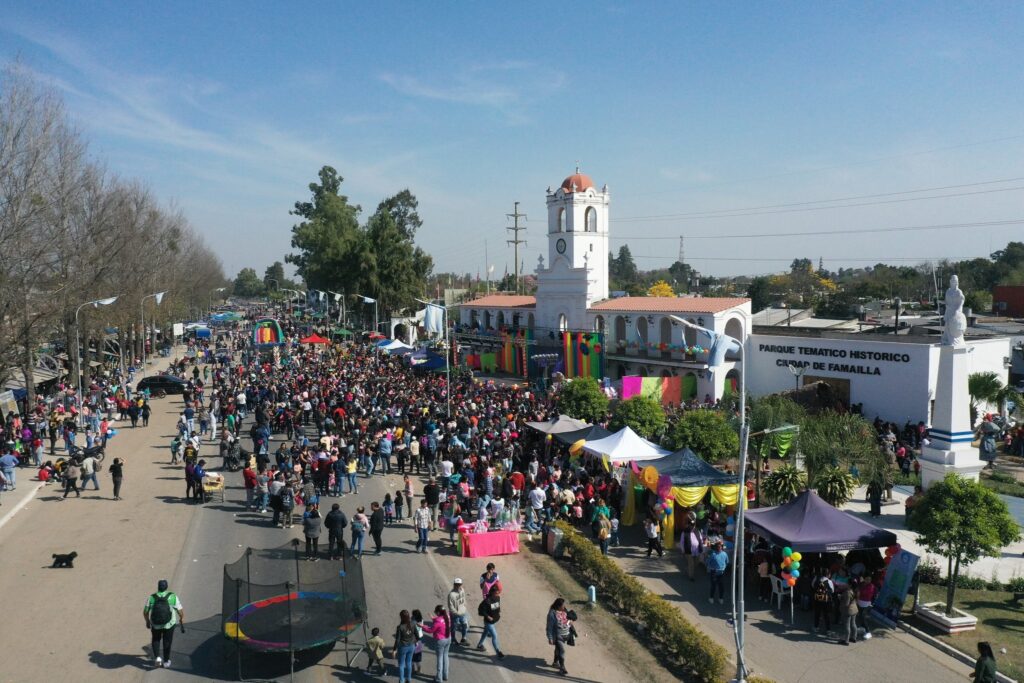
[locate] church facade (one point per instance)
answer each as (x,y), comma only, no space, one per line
(573,326)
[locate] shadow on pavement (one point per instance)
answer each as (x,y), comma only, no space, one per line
(119,661)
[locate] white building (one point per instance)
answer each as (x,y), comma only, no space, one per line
(638,333)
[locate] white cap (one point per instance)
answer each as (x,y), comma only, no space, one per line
(458,581)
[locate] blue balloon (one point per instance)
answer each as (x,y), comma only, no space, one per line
(795,573)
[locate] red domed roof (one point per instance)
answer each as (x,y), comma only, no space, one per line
(580,180)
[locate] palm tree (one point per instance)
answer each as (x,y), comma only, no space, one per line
(987,387)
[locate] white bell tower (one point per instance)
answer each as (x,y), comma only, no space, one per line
(578,231)
(576,275)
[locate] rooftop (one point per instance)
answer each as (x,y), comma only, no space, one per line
(503,301)
(669,304)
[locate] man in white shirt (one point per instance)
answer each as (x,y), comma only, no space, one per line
(536,509)
(447,469)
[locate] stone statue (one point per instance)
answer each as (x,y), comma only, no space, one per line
(954,321)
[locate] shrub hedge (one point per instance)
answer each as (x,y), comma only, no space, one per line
(665,624)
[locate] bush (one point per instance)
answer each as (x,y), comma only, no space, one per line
(705,432)
(900,479)
(929,572)
(665,624)
(783,484)
(642,414)
(583,399)
(835,486)
(1016,584)
(1003,478)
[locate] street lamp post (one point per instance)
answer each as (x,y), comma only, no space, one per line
(212,292)
(718,346)
(142,316)
(78,347)
(798,370)
(368,300)
(898,303)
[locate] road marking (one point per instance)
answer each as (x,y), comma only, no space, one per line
(22,503)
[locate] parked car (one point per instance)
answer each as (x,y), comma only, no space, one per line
(161,385)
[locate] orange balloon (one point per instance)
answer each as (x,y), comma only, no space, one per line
(649,476)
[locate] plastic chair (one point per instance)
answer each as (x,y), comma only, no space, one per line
(780,591)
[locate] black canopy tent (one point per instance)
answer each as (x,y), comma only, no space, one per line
(809,524)
(592,433)
(687,469)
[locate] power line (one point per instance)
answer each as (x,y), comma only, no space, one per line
(699,214)
(880,259)
(909,228)
(690,217)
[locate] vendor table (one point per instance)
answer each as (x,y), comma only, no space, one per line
(490,543)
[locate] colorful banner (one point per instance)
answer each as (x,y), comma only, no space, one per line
(513,356)
(898,576)
(665,390)
(488,362)
(583,352)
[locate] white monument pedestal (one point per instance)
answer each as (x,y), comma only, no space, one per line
(951,434)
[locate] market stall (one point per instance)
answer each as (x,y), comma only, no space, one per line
(488,543)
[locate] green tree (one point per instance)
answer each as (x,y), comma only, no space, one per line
(832,439)
(705,432)
(248,283)
(759,292)
(622,269)
(962,521)
(402,208)
(583,399)
(784,484)
(987,387)
(642,414)
(835,486)
(273,277)
(769,413)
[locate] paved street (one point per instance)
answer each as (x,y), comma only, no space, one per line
(87,621)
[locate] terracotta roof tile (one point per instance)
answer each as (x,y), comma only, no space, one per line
(669,304)
(502,301)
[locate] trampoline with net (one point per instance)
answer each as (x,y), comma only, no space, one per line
(276,601)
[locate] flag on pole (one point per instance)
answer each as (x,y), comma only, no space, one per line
(433,319)
(368,300)
(159,297)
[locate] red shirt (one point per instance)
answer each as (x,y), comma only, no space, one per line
(249,477)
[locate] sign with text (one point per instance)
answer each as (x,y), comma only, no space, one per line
(898,576)
(829,359)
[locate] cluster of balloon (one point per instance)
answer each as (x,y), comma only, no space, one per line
(891,552)
(790,566)
(548,438)
(665,494)
(111,433)
(730,532)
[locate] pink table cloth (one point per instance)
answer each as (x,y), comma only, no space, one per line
(490,543)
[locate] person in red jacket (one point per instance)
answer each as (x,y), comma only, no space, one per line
(249,477)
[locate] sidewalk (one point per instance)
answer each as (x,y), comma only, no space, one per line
(783,652)
(1009,564)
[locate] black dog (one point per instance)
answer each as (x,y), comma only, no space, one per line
(64,560)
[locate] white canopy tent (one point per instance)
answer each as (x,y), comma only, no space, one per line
(559,425)
(625,446)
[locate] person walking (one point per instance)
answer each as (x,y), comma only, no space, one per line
(117,475)
(163,611)
(559,626)
(405,643)
(335,522)
(441,628)
(432,494)
(716,563)
(376,525)
(8,464)
(985,665)
(488,580)
(89,467)
(823,592)
(604,533)
(287,506)
(399,506)
(71,474)
(457,610)
(653,531)
(490,610)
(311,527)
(421,522)
(848,611)
(359,524)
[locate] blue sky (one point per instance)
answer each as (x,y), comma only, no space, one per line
(228,110)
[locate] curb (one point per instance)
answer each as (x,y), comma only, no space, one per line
(948,649)
(20,504)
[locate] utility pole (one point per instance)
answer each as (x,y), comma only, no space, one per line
(487,268)
(515,242)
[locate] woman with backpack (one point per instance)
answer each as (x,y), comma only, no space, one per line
(405,643)
(823,593)
(441,628)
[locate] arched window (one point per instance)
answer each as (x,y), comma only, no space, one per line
(690,334)
(591,219)
(563,322)
(501,319)
(488,322)
(641,329)
(560,222)
(599,324)
(620,329)
(474,319)
(529,321)
(734,329)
